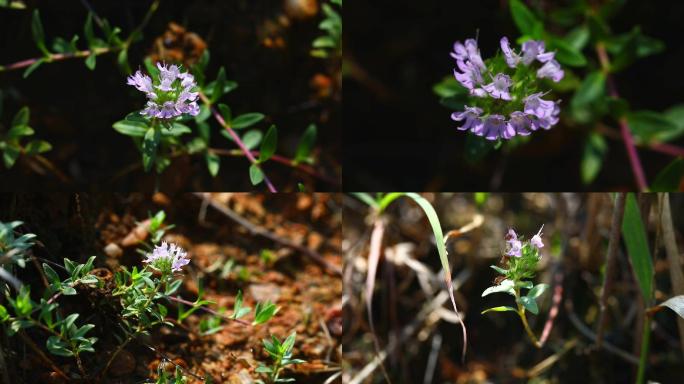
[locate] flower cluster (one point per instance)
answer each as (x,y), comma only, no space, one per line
(169,96)
(515,245)
(505,105)
(165,257)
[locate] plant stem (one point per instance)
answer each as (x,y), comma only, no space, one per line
(521,313)
(57,57)
(634,161)
(279,159)
(237,140)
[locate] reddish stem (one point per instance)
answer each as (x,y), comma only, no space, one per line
(637,168)
(237,140)
(282,160)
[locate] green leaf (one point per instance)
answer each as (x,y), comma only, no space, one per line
(131,128)
(595,149)
(68,290)
(38,34)
(589,92)
(122,60)
(670,178)
(213,163)
(524,19)
(32,68)
(256,175)
(269,144)
(177,129)
(676,115)
(288,344)
(90,61)
(217,90)
(648,126)
(507,286)
(567,54)
(51,275)
(246,120)
(21,118)
(10,155)
(37,146)
(449,87)
(264,312)
(226,113)
(537,291)
(252,138)
(628,47)
(305,145)
(149,147)
(530,304)
(18,131)
(57,347)
(88,31)
(578,37)
(499,309)
(635,239)
(591,89)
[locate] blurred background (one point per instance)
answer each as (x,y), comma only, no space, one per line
(399,136)
(419,336)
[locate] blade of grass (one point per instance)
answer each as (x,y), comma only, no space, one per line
(441,248)
(636,242)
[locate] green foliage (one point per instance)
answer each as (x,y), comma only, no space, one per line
(306,144)
(634,235)
(330,43)
(13,143)
(164,378)
(66,337)
(14,249)
(595,149)
(650,126)
(670,178)
(527,23)
(281,355)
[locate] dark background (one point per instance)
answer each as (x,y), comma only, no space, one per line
(399,137)
(74,108)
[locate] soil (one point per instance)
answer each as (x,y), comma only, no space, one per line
(77,226)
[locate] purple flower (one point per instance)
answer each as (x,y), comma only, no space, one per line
(536,239)
(514,245)
(552,70)
(538,107)
(498,88)
(534,49)
(468,52)
(471,115)
(493,127)
(548,121)
(141,82)
(512,58)
(169,96)
(518,123)
(470,75)
(165,255)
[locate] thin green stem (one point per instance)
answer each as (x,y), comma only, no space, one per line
(523,317)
